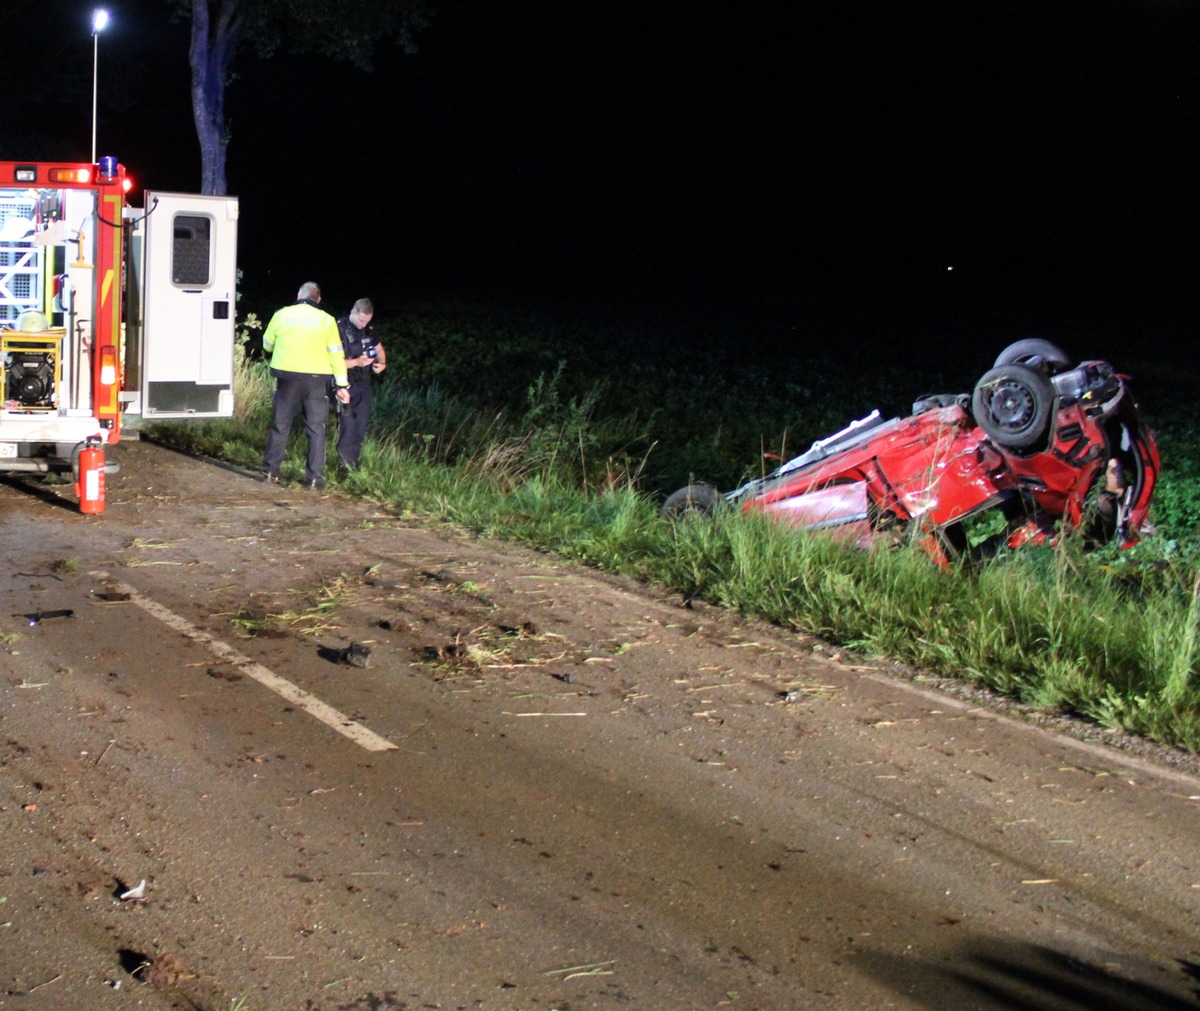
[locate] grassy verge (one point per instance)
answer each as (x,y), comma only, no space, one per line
(561,465)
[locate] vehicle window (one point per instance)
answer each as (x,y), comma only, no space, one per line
(191,256)
(20,263)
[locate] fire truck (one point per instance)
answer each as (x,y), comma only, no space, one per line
(107,309)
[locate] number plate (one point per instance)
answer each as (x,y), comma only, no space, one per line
(8,450)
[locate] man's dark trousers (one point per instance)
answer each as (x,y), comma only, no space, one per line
(352,422)
(298,391)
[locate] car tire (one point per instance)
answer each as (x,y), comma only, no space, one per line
(1012,404)
(1042,355)
(694,500)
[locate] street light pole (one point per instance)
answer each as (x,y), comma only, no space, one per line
(99,23)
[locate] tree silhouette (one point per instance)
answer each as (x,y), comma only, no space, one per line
(222,29)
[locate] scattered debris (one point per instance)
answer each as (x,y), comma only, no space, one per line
(37,617)
(135,894)
(162,972)
(103,753)
(526,628)
(114,597)
(356,655)
(47,983)
(257,624)
(588,969)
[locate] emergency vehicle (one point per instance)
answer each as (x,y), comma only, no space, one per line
(108,309)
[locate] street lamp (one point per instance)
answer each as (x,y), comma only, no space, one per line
(99,23)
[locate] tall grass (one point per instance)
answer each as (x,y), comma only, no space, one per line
(566,462)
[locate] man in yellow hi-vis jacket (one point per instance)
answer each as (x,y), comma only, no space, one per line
(305,350)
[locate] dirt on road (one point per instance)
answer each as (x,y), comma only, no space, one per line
(270,749)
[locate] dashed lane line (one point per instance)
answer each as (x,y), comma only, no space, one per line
(300,698)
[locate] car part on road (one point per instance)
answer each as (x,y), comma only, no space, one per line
(37,617)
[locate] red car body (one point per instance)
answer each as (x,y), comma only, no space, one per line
(1084,459)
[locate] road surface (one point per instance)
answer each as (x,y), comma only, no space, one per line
(352,761)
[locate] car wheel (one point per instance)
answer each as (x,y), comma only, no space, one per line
(1012,405)
(694,500)
(1036,353)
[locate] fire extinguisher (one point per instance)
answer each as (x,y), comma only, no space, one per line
(90,486)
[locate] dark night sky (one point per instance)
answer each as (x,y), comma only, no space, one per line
(826,161)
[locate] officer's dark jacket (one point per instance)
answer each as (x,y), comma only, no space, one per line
(355,342)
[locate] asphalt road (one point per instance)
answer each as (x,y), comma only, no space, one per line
(530,786)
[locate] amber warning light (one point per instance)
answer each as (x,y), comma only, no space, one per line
(69,175)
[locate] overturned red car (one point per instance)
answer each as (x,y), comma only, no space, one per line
(1042,443)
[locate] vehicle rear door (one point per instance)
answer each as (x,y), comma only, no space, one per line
(188,291)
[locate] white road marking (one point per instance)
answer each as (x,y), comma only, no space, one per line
(312,705)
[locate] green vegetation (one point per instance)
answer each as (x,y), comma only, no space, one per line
(567,438)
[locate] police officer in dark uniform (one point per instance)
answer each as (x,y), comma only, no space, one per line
(364,356)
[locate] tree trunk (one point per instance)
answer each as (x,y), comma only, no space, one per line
(212,46)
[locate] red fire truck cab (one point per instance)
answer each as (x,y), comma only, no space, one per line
(108,309)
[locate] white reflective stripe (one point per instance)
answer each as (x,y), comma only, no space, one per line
(300,698)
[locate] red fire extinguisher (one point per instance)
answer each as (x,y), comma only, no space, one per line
(90,486)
